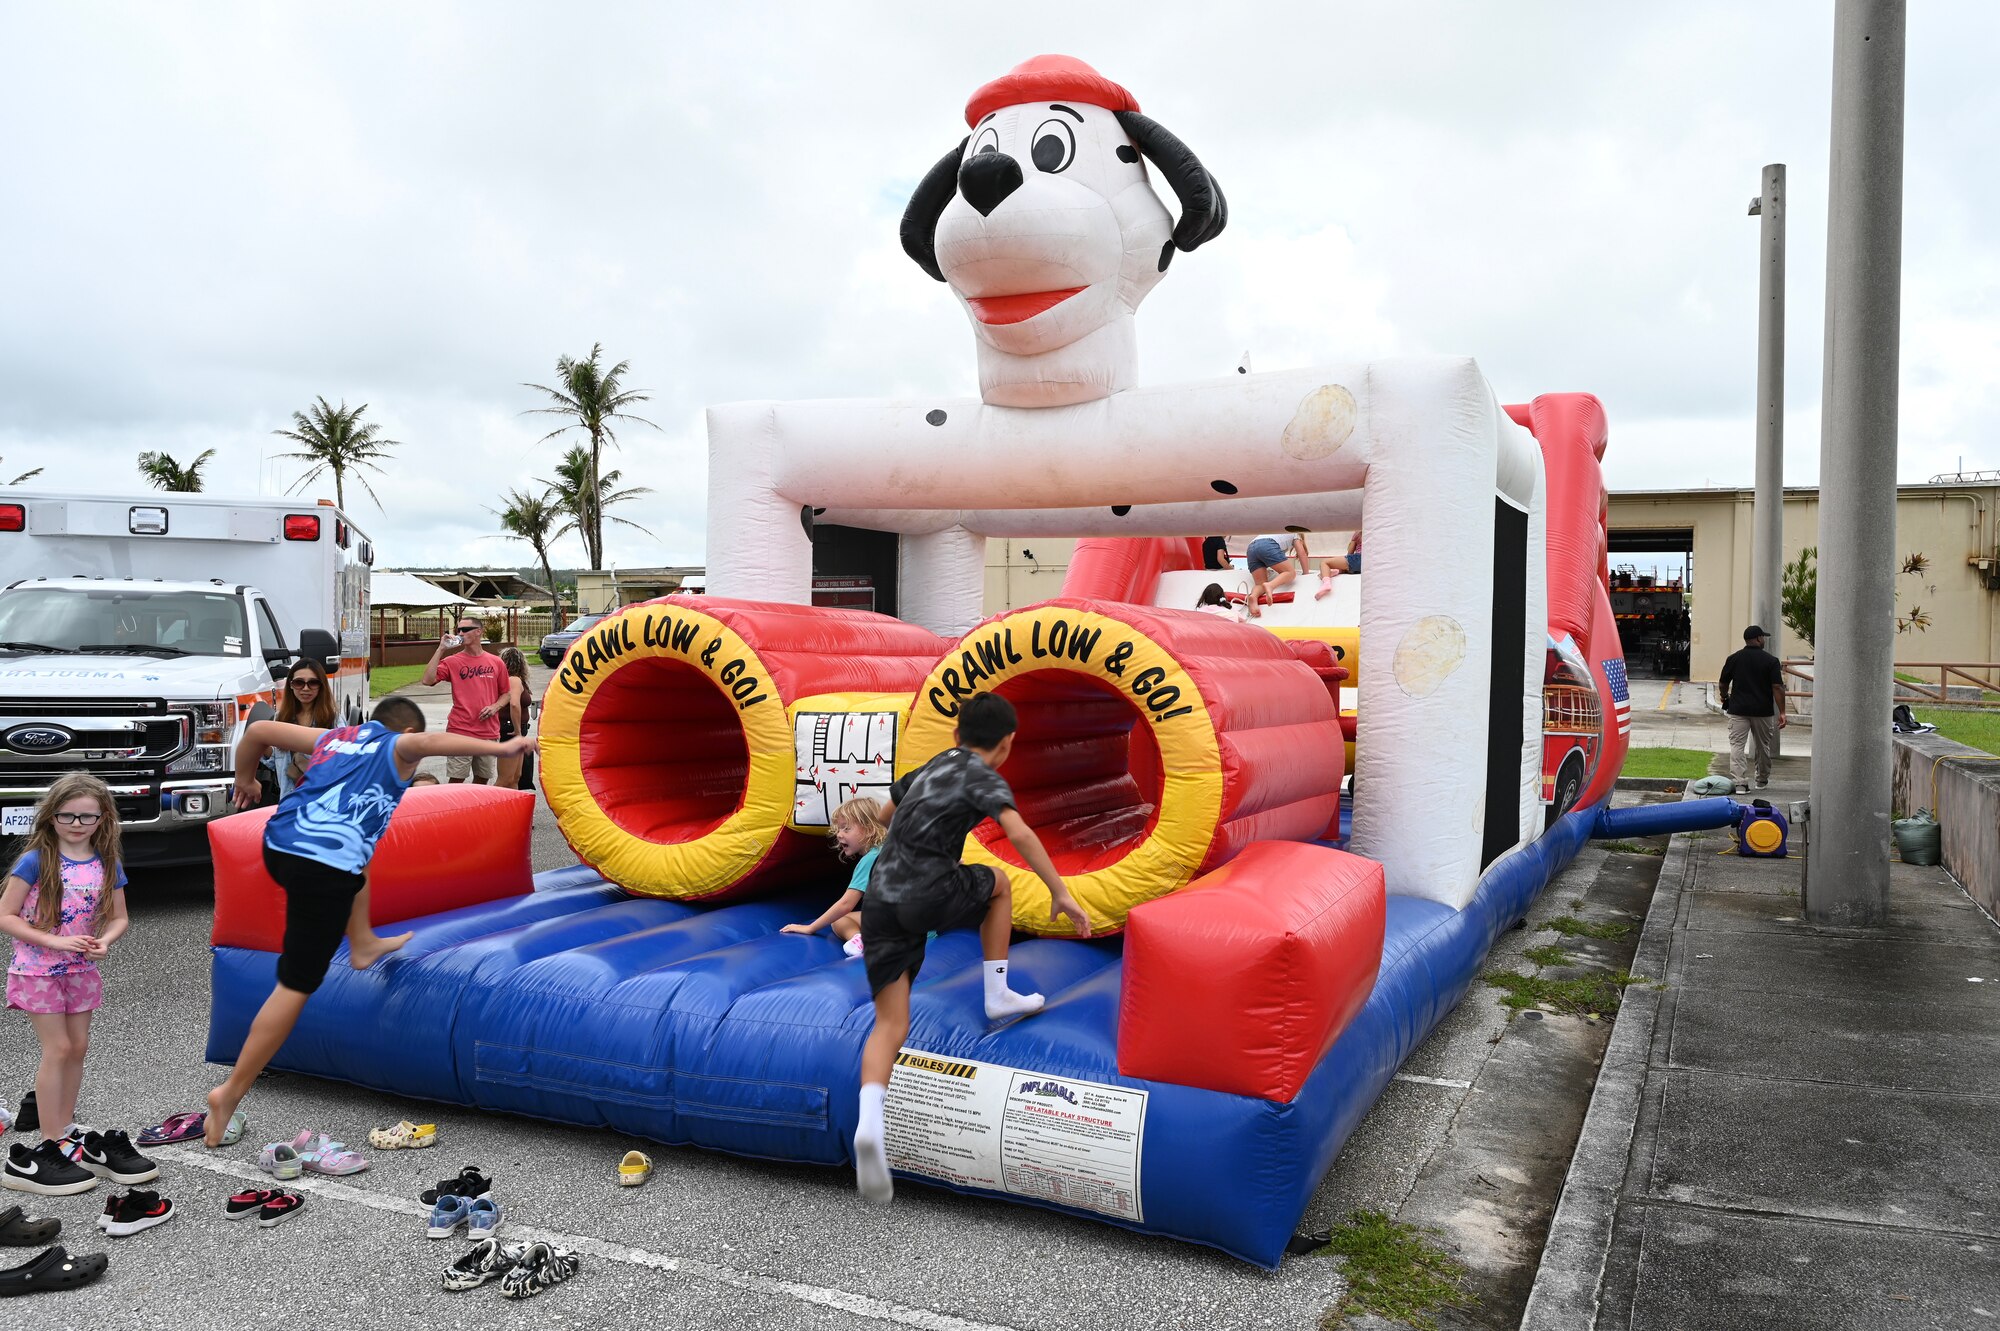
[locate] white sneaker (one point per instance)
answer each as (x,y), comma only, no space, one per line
(852,947)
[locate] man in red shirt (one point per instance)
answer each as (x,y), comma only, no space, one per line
(478,680)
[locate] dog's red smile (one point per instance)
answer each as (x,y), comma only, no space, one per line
(1017,308)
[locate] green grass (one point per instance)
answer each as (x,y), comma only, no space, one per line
(1631,848)
(1593,994)
(1393,1271)
(1670,764)
(1981,730)
(1548,954)
(387,679)
(1571,927)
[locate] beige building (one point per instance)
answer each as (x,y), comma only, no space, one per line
(599,591)
(1954,527)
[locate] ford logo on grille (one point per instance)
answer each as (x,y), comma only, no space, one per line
(38,739)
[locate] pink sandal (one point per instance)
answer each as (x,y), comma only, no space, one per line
(320,1154)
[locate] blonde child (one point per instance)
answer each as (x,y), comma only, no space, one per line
(859,831)
(64,907)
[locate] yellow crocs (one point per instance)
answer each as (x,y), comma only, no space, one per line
(405,1136)
(634,1169)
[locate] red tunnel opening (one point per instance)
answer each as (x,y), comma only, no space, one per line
(1085,771)
(663,753)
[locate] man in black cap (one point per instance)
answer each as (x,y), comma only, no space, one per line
(1753,696)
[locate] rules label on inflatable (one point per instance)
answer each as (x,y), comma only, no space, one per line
(980,1125)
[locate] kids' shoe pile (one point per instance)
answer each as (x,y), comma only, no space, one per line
(135,1211)
(44,1169)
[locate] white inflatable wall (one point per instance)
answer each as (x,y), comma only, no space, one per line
(1422,442)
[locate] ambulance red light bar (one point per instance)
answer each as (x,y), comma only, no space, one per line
(301,527)
(13,517)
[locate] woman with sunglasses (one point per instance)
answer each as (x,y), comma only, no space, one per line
(306,700)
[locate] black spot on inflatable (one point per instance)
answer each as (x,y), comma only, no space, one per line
(1127,153)
(934,417)
(1222,487)
(1120,510)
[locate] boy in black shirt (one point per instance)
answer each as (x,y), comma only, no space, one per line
(919,888)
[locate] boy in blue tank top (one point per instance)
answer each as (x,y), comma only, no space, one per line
(317,847)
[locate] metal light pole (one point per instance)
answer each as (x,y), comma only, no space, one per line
(1767,548)
(1847,864)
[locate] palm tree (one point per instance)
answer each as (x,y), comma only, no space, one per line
(334,439)
(592,397)
(24,477)
(570,491)
(540,520)
(163,473)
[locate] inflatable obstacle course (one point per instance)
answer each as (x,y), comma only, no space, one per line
(1276,948)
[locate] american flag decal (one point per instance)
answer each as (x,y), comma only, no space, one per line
(1621,695)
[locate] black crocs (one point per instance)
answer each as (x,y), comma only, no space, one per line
(469,1183)
(21,1230)
(54,1269)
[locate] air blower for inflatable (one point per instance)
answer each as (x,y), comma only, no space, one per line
(1761,831)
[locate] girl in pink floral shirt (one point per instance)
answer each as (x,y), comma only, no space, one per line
(64,906)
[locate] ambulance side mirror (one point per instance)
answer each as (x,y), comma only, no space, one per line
(322,647)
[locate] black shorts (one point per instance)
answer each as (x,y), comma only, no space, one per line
(893,933)
(318,899)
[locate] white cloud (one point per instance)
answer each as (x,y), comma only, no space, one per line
(217,213)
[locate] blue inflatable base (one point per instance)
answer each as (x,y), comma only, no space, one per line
(705,1026)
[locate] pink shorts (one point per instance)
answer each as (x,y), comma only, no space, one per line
(78,991)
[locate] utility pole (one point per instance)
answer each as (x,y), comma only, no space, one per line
(1847,860)
(1767,548)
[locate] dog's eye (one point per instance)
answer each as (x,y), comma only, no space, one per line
(1055,146)
(987,142)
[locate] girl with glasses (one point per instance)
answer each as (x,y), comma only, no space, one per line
(63,906)
(306,700)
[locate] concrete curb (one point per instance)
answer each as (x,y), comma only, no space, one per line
(1567,1284)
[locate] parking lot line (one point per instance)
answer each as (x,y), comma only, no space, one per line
(857,1305)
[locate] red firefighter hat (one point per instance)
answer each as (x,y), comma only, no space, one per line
(1049,78)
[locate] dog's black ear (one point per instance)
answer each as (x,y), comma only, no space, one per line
(934,191)
(1204,212)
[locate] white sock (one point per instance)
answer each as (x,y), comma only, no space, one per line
(871,1161)
(1002,1001)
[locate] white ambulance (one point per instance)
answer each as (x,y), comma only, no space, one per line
(139,634)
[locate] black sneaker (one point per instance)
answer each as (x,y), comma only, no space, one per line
(282,1206)
(44,1170)
(247,1203)
(29,1119)
(135,1211)
(110,1155)
(469,1183)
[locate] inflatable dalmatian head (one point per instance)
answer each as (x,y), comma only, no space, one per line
(1043,224)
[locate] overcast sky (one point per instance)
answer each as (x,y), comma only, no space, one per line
(212,213)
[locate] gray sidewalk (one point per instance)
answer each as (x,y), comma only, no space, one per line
(1801,1128)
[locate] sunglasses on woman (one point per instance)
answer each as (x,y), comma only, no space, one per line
(305,682)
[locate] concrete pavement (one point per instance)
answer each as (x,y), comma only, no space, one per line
(1801,1129)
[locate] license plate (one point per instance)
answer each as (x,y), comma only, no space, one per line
(17,821)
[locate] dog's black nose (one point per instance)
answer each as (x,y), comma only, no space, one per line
(986,179)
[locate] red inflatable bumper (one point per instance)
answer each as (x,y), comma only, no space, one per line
(446,847)
(1240,981)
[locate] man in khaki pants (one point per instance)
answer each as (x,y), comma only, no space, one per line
(1753,697)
